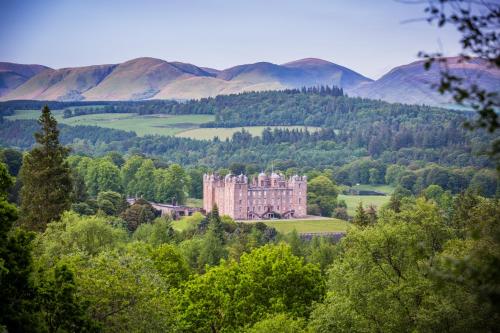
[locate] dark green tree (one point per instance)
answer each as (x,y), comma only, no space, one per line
(361,218)
(140,212)
(46,177)
(13,159)
(61,309)
(111,203)
(17,306)
(215,223)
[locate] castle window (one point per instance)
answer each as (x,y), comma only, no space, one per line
(240,202)
(299,200)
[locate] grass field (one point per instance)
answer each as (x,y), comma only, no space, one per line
(286,226)
(387,189)
(141,125)
(353,201)
(305,226)
(186,126)
(223,133)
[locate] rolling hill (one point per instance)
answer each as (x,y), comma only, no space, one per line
(150,78)
(412,84)
(13,75)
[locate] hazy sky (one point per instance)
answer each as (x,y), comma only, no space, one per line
(368,36)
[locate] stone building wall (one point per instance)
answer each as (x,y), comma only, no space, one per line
(264,197)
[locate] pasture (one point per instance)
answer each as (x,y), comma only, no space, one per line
(387,189)
(157,124)
(286,226)
(184,126)
(306,226)
(353,201)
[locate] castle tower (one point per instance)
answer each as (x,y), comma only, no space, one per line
(208,191)
(299,195)
(236,196)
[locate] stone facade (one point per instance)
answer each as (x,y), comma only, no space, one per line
(263,197)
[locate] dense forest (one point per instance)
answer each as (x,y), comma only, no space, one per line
(83,260)
(360,141)
(351,128)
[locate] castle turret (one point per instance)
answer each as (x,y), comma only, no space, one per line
(262,179)
(299,196)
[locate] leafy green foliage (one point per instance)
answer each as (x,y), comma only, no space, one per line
(233,295)
(111,203)
(140,212)
(61,309)
(156,233)
(321,195)
(125,291)
(13,159)
(278,323)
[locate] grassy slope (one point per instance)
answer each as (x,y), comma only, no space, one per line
(388,189)
(286,226)
(142,125)
(305,226)
(353,201)
(179,125)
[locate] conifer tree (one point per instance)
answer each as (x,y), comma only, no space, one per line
(361,219)
(215,224)
(46,177)
(371,213)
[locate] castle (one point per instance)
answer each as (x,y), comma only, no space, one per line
(264,197)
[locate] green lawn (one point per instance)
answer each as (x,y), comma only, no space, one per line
(286,226)
(186,126)
(305,226)
(140,124)
(223,133)
(353,201)
(387,189)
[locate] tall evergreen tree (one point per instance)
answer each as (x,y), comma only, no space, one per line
(361,218)
(46,177)
(215,224)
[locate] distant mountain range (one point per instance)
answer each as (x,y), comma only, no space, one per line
(150,78)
